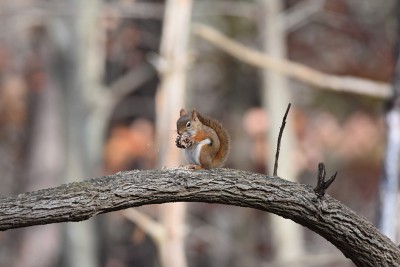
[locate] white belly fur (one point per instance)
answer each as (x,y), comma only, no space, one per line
(193,153)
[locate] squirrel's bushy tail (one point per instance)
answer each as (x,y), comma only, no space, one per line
(223,137)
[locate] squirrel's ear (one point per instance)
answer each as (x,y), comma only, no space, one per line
(182,112)
(193,116)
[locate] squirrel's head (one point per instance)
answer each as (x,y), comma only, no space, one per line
(188,123)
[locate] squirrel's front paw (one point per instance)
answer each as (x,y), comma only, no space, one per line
(193,167)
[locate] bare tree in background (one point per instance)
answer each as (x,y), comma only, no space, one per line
(175,36)
(71,38)
(287,236)
(44,159)
(389,187)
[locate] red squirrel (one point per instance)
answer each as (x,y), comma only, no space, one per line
(205,140)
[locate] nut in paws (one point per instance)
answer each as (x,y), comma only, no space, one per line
(183,141)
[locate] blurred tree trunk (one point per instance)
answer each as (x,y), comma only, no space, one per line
(44,164)
(91,63)
(44,153)
(71,37)
(389,184)
(287,236)
(175,36)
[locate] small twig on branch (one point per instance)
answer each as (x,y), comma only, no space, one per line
(322,185)
(278,147)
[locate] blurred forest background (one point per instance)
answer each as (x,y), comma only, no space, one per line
(82,87)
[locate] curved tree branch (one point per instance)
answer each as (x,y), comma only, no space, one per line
(357,238)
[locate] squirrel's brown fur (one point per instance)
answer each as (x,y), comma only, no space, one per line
(223,136)
(207,143)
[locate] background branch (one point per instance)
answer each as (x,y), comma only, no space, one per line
(295,70)
(357,238)
(154,229)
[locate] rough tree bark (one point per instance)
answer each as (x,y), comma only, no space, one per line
(357,238)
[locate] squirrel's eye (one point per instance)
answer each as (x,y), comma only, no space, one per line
(188,124)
